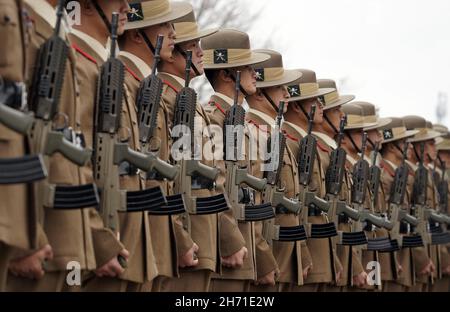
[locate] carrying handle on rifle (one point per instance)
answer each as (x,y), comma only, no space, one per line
(157,57)
(363,144)
(188,68)
(311,118)
(237,88)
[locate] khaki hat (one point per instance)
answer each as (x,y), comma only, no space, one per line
(271,73)
(146,13)
(358,117)
(444,143)
(370,110)
(419,123)
(332,99)
(186,29)
(443,130)
(396,130)
(307,87)
(229,48)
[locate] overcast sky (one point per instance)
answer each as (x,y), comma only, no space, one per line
(393,53)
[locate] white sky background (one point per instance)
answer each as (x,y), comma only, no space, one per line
(393,53)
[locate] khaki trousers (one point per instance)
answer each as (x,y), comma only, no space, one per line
(5,255)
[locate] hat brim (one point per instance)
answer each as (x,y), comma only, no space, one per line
(178,10)
(289,75)
(320,92)
(255,58)
(407,134)
(382,122)
(201,34)
(445,147)
(360,126)
(430,135)
(343,99)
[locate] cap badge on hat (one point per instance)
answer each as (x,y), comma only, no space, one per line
(387,134)
(135,13)
(294,90)
(259,74)
(220,56)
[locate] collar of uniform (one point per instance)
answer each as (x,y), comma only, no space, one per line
(263,116)
(326,139)
(226,99)
(92,43)
(351,160)
(138,65)
(221,101)
(390,163)
(413,166)
(302,133)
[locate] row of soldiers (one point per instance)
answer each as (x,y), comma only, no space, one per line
(90,116)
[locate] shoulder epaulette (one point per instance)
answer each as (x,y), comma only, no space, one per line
(217,105)
(171,86)
(85,54)
(323,147)
(257,125)
(387,168)
(287,135)
(132,73)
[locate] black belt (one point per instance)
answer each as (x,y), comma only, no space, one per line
(125,168)
(175,205)
(75,197)
(435,228)
(323,230)
(146,200)
(200,183)
(440,238)
(404,227)
(382,244)
(353,238)
(313,211)
(26,169)
(292,233)
(259,212)
(412,241)
(211,205)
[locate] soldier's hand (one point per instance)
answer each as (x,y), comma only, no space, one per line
(31,266)
(360,279)
(447,270)
(112,268)
(268,279)
(189,259)
(338,275)
(236,260)
(428,268)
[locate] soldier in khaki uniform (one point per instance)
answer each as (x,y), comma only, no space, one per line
(414,262)
(443,149)
(326,269)
(83,227)
(174,247)
(89,40)
(206,230)
(18,222)
(222,78)
(325,130)
(292,256)
(352,143)
(377,201)
(427,137)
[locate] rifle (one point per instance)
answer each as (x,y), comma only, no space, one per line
(424,214)
(276,144)
(309,200)
(241,199)
(334,176)
(396,212)
(191,169)
(109,153)
(148,99)
(360,174)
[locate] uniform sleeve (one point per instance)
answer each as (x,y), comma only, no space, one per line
(306,255)
(183,239)
(357,266)
(106,245)
(265,260)
(420,258)
(231,239)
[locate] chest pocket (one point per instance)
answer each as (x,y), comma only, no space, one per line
(289,175)
(10,33)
